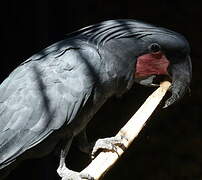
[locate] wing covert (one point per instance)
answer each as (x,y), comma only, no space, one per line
(38,98)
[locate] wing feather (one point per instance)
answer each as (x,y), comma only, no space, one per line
(39,98)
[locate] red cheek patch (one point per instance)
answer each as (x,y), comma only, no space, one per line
(151,64)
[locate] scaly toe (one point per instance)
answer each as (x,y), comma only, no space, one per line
(109,144)
(86,176)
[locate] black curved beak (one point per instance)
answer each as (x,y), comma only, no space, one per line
(181,73)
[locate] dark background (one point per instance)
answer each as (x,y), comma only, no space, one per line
(170,146)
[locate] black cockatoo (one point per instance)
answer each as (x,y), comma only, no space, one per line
(49,99)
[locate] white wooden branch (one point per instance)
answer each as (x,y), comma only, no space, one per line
(105,160)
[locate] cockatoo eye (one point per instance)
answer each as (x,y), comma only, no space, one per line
(154,48)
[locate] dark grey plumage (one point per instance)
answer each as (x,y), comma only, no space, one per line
(52,96)
(38,98)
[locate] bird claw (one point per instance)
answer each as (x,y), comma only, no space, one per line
(86,176)
(67,174)
(109,144)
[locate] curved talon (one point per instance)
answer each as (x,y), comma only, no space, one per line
(108,144)
(67,174)
(86,176)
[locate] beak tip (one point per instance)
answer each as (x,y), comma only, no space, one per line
(169,102)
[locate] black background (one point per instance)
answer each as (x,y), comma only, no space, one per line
(170,146)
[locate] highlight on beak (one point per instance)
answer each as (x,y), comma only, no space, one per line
(181,77)
(178,90)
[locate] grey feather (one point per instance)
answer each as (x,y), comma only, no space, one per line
(38,98)
(55,93)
